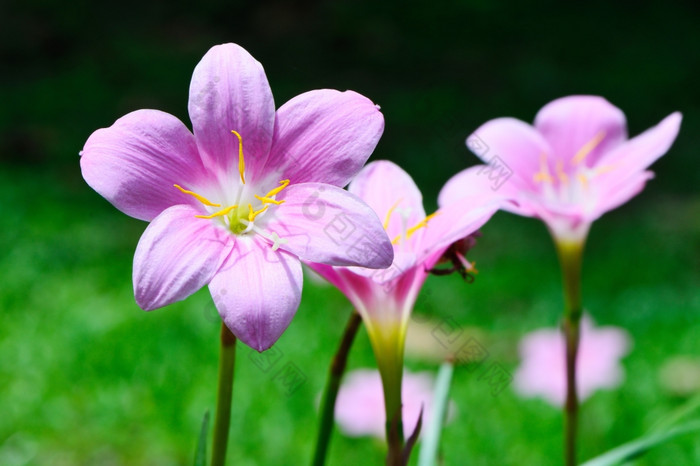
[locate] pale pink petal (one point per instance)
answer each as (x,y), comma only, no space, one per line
(324,136)
(391,193)
(611,197)
(135,163)
(229,91)
(512,144)
(639,152)
(177,255)
(455,221)
(257,292)
(572,122)
(478,180)
(323,223)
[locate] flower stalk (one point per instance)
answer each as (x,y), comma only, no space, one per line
(570,257)
(223,399)
(335,376)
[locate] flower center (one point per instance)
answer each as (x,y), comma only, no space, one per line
(406,232)
(240,216)
(571,183)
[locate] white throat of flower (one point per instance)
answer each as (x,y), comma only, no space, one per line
(570,184)
(244,214)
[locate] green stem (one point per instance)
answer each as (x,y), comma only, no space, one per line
(431,440)
(335,376)
(223,399)
(570,257)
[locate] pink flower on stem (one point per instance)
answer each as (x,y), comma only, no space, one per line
(229,205)
(385,298)
(359,408)
(571,167)
(543,368)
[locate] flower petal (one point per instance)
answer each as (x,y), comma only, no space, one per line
(641,151)
(513,145)
(257,292)
(572,122)
(322,223)
(324,136)
(229,91)
(614,196)
(176,256)
(135,162)
(391,193)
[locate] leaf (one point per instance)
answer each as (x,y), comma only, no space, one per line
(431,440)
(641,445)
(200,455)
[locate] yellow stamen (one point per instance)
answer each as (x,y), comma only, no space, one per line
(421,224)
(396,240)
(582,178)
(604,169)
(219,213)
(472,269)
(201,199)
(267,200)
(563,177)
(283,184)
(391,211)
(254,213)
(241,161)
(543,174)
(588,148)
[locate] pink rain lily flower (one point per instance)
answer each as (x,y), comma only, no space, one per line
(571,167)
(359,408)
(543,369)
(229,204)
(385,298)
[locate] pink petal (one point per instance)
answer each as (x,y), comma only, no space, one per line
(176,256)
(229,91)
(569,123)
(257,292)
(641,151)
(389,190)
(135,163)
(512,144)
(324,136)
(323,223)
(453,222)
(612,197)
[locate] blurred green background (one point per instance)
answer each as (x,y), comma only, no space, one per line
(88,378)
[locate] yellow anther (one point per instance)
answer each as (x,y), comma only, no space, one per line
(588,148)
(543,174)
(421,224)
(396,240)
(267,200)
(283,184)
(219,213)
(563,177)
(200,198)
(604,169)
(241,161)
(472,269)
(582,178)
(253,213)
(389,212)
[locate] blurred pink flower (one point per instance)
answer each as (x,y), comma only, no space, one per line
(543,368)
(228,203)
(359,408)
(571,167)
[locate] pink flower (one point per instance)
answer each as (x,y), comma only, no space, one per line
(359,408)
(229,204)
(385,298)
(543,369)
(571,167)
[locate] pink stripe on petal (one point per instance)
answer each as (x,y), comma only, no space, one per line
(322,223)
(229,91)
(324,136)
(176,256)
(257,292)
(135,163)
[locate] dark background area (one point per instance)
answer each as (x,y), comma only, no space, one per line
(437,69)
(87,378)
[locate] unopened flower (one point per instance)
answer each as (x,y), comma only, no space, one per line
(228,205)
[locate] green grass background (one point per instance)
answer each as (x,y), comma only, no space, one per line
(88,378)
